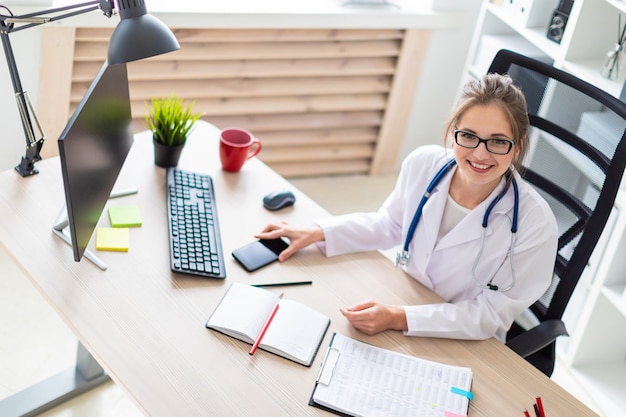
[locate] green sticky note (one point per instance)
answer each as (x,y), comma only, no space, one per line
(112,239)
(125,216)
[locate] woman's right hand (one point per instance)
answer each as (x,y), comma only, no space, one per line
(298,237)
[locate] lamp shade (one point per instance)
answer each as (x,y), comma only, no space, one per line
(139,35)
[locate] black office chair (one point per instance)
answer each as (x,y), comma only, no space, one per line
(577,158)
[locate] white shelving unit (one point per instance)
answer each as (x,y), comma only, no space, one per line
(596,315)
(591,31)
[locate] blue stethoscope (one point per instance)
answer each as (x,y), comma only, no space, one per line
(403,256)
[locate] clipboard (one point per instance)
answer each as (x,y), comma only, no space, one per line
(436,388)
(325,375)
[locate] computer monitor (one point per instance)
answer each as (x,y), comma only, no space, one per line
(92,148)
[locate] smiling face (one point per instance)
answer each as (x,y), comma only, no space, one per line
(479,171)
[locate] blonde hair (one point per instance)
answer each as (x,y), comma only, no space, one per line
(499,90)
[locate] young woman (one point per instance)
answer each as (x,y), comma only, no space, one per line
(488,275)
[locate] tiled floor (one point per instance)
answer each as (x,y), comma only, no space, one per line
(35,343)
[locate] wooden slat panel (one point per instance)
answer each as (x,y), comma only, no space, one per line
(318,168)
(284,35)
(94,34)
(251,87)
(84,72)
(290,122)
(289,50)
(91,51)
(255,35)
(316,153)
(201,69)
(317,98)
(295,138)
(87,51)
(272,105)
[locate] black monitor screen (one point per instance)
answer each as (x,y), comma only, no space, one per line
(92,148)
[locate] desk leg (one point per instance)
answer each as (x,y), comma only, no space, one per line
(57,389)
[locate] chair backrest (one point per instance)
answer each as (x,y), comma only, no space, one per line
(576,162)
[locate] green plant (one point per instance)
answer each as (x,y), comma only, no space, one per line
(170,120)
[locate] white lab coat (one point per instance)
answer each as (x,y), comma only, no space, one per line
(445,267)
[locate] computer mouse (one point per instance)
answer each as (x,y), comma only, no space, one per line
(278,199)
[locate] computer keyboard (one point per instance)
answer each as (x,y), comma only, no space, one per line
(195,240)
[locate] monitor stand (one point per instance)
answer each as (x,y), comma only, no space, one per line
(62,222)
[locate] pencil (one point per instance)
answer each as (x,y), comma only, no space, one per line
(281,284)
(256,343)
(540,407)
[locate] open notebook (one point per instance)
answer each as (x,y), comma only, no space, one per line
(295,332)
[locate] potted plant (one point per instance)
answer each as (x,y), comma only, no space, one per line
(170,121)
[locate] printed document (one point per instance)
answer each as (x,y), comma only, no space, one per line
(363,380)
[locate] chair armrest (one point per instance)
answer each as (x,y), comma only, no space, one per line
(535,339)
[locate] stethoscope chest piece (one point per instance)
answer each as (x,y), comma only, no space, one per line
(402,258)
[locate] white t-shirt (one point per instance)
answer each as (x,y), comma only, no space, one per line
(453,213)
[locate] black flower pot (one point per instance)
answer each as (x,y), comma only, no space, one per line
(166,156)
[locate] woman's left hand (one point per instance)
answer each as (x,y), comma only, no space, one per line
(372,317)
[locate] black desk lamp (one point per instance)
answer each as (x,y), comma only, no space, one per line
(137,36)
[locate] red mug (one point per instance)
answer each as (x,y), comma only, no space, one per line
(236,147)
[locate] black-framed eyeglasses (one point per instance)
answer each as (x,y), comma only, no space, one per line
(494,145)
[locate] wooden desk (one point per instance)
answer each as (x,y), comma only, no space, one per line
(145,325)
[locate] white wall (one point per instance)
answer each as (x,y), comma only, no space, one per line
(440,79)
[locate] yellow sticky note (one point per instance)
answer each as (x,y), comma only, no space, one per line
(112,239)
(125,216)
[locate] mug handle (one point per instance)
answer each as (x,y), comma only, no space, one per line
(255,148)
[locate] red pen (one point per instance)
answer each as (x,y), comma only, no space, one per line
(526,413)
(256,343)
(540,406)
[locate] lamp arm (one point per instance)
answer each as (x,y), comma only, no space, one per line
(34,142)
(38,18)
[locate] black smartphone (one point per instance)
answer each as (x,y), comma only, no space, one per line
(259,253)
